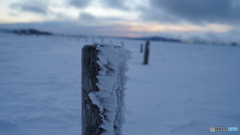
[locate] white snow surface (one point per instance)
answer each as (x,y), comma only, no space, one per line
(184,90)
(111,82)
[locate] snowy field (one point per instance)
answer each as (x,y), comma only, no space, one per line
(183,91)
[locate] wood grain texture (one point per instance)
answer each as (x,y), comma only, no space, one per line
(91,119)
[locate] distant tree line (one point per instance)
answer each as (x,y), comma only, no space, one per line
(28,32)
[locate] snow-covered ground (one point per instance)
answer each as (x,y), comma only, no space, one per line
(183,91)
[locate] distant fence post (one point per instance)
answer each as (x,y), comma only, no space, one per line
(102,101)
(86,39)
(93,39)
(122,44)
(102,39)
(146,53)
(141,48)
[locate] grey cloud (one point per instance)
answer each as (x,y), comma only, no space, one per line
(196,11)
(87,17)
(116,4)
(36,7)
(80,3)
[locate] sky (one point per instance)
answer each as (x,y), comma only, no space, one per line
(197,19)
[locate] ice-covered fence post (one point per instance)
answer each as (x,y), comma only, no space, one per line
(90,118)
(146,53)
(103,80)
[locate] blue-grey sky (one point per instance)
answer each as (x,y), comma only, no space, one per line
(217,19)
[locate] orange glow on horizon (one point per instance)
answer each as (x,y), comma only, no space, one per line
(137,27)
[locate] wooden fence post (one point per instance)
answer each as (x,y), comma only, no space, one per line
(141,48)
(122,44)
(146,53)
(86,39)
(93,39)
(102,98)
(91,119)
(102,39)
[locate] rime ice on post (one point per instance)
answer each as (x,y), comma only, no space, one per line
(103,86)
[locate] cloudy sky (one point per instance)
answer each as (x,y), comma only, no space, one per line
(212,19)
